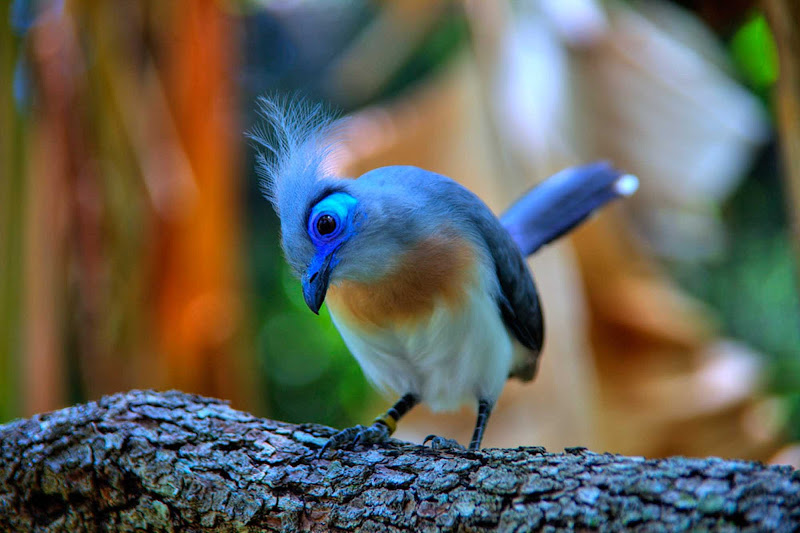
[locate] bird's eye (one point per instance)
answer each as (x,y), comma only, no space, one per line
(326,225)
(330,219)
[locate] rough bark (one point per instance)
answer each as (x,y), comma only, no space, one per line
(146,461)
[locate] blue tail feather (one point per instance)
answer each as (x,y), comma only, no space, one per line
(562,201)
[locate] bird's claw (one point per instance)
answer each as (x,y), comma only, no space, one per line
(349,438)
(441,443)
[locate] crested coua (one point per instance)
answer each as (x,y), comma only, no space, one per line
(429,290)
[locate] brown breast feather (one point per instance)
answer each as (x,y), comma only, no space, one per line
(437,270)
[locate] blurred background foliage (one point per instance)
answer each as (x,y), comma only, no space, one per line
(752,283)
(136,250)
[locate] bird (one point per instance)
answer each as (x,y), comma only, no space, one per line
(429,289)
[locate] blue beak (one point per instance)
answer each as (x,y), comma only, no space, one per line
(315,282)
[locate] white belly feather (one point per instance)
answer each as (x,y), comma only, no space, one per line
(456,356)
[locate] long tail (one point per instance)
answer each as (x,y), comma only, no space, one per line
(563,201)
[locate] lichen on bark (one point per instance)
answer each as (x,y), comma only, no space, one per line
(147,461)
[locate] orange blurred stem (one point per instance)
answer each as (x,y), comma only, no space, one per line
(12,194)
(784,20)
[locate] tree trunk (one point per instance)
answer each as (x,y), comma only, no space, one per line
(147,461)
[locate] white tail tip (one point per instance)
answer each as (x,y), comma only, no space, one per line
(626,185)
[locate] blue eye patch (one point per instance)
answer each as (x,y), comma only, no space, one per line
(330,217)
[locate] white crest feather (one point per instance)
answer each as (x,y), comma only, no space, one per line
(291,154)
(294,142)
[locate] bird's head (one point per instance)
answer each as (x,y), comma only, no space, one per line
(324,231)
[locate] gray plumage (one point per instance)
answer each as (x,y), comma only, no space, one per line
(414,203)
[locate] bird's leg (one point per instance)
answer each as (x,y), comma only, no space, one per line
(484,410)
(380,429)
(441,443)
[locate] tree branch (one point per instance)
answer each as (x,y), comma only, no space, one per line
(175,462)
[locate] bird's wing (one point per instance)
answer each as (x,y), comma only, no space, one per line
(563,201)
(545,213)
(517,299)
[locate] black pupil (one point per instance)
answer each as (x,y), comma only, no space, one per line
(326,225)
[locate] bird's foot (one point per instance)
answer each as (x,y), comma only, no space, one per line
(441,443)
(349,438)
